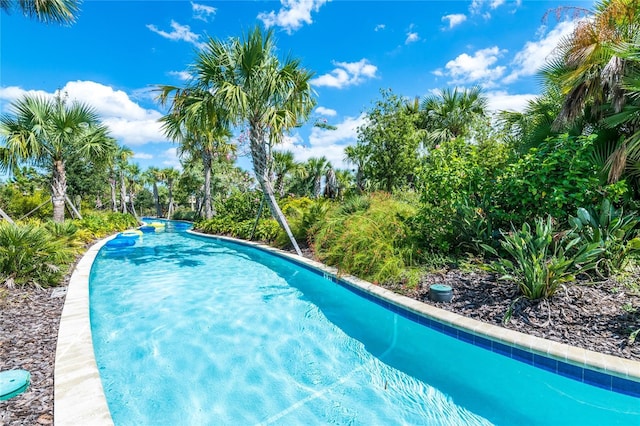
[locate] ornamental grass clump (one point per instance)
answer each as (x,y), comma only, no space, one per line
(375,243)
(31,255)
(541,260)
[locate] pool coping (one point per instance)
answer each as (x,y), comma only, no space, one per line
(79,397)
(78,394)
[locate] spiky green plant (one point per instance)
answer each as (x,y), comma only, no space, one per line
(542,260)
(31,255)
(616,233)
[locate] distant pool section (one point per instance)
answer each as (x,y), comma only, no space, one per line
(189,329)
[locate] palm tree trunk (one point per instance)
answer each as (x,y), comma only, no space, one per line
(261,169)
(170,207)
(58,190)
(123,193)
(112,186)
(156,199)
(208,206)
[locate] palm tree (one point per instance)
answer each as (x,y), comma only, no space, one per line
(153,175)
(57,11)
(133,184)
(592,67)
(45,132)
(587,66)
(357,155)
(283,164)
(259,91)
(316,168)
(123,154)
(200,127)
(170,176)
(450,113)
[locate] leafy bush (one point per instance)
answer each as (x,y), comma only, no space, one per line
(454,175)
(611,230)
(266,230)
(185,214)
(100,224)
(31,255)
(554,179)
(241,206)
(542,261)
(18,204)
(376,244)
(302,214)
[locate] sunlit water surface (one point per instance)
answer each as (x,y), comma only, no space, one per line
(192,331)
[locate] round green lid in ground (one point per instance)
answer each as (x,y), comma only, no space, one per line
(13,382)
(440,287)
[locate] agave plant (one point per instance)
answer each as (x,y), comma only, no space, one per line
(614,232)
(542,260)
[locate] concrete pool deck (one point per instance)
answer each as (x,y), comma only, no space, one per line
(79,397)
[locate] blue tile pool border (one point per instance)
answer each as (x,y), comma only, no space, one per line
(546,362)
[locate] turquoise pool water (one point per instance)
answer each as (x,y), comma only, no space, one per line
(193,331)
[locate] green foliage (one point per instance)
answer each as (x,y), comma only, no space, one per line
(29,254)
(542,261)
(303,215)
(611,230)
(18,203)
(100,224)
(376,244)
(453,177)
(554,179)
(473,227)
(185,214)
(241,206)
(266,230)
(389,144)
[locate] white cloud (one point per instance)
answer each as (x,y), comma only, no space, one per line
(411,37)
(202,12)
(292,15)
(170,158)
(179,33)
(455,19)
(142,156)
(535,54)
(181,75)
(326,111)
(347,74)
(129,123)
(496,4)
(502,101)
(379,27)
(476,69)
(327,143)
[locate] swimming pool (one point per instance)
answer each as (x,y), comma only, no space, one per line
(193,330)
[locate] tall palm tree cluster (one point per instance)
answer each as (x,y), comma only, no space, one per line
(239,83)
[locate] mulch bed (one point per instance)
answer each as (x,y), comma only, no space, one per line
(598,317)
(29,320)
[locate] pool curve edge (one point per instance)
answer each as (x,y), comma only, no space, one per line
(79,397)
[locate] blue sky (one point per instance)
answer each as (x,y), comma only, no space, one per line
(119,51)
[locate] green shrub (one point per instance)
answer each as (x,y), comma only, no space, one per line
(554,179)
(376,244)
(101,224)
(185,214)
(31,255)
(17,204)
(611,230)
(241,206)
(541,260)
(303,214)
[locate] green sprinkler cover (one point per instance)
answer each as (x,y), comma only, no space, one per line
(13,382)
